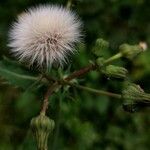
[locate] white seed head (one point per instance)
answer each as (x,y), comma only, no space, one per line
(45,35)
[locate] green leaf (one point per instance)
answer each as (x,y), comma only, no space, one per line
(16,74)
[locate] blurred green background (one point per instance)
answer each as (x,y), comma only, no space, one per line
(86,121)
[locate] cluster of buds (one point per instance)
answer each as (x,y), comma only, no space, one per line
(135,98)
(41,127)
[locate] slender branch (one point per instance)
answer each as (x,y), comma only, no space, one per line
(100,92)
(50,90)
(81,72)
(92,67)
(114,57)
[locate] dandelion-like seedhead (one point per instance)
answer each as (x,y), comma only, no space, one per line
(45,35)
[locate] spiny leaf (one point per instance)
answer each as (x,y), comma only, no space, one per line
(16,74)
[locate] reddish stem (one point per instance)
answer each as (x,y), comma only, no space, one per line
(50,90)
(81,72)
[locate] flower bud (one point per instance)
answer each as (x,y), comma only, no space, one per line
(130,51)
(100,61)
(134,98)
(115,71)
(41,127)
(100,45)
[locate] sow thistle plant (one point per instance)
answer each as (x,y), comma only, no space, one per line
(44,38)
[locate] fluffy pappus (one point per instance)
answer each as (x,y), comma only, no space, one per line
(45,35)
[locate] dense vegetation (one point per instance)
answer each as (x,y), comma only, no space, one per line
(86,121)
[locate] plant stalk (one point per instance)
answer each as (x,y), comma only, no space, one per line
(99,92)
(77,74)
(81,72)
(114,57)
(50,90)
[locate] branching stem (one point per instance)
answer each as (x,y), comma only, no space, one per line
(81,72)
(91,67)
(74,75)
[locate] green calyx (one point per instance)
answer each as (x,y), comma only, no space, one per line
(113,71)
(134,98)
(130,51)
(99,46)
(41,127)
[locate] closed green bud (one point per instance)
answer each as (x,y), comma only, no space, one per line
(115,72)
(130,51)
(100,45)
(41,127)
(134,98)
(100,61)
(133,91)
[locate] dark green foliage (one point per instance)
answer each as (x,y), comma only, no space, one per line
(16,74)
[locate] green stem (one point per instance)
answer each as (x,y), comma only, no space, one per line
(69,3)
(116,56)
(99,92)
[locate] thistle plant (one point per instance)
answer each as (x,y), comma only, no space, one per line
(43,39)
(45,35)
